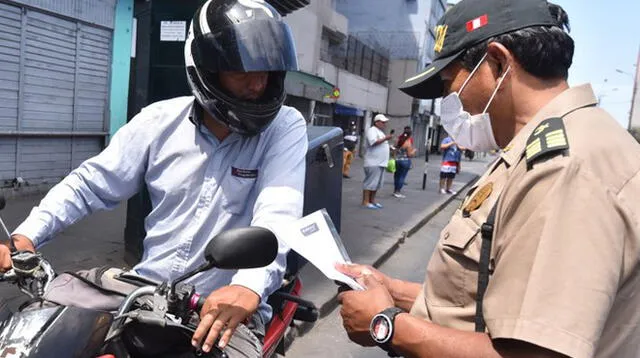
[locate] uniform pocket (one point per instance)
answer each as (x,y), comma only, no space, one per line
(453,267)
(237,193)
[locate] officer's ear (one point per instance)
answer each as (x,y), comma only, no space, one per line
(499,58)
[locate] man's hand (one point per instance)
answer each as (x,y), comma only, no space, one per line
(359,307)
(223,310)
(21,242)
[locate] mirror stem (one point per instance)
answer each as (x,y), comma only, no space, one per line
(4,227)
(204,267)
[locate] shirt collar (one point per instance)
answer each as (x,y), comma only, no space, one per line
(566,102)
(196,116)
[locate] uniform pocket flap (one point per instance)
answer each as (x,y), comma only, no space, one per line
(459,233)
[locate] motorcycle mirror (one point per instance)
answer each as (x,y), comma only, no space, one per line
(235,249)
(242,248)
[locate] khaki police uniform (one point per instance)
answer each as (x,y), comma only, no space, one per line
(566,245)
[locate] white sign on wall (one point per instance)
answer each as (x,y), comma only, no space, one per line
(173,31)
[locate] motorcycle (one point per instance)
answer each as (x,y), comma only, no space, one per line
(165,309)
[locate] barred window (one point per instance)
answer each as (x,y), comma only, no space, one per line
(365,61)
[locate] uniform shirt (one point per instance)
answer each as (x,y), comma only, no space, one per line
(566,245)
(376,156)
(198,187)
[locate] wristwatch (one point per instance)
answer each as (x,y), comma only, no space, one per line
(382,328)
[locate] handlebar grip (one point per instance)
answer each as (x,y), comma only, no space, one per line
(200,303)
(197,302)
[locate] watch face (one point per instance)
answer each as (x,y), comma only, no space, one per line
(380,328)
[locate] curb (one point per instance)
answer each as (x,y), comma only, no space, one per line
(301,328)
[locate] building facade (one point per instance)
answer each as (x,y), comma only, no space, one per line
(404,31)
(357,73)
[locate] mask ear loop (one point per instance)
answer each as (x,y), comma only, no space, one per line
(475,69)
(497,88)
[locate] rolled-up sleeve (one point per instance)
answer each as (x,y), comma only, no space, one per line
(100,182)
(280,199)
(372,136)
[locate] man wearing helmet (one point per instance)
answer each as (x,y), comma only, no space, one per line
(230,156)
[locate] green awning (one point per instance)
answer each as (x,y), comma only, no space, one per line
(310,80)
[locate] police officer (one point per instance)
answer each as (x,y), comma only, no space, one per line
(542,257)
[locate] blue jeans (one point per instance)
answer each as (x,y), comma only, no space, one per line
(402,169)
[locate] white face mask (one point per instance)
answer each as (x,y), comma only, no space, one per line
(471,131)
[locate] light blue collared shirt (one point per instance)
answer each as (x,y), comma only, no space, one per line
(198,187)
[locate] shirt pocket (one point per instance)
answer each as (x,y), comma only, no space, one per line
(452,271)
(237,193)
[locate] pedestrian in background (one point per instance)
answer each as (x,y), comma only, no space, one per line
(376,159)
(350,144)
(450,164)
(404,152)
(408,130)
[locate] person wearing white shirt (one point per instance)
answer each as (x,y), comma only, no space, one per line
(230,156)
(376,159)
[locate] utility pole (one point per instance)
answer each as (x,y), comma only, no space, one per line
(428,145)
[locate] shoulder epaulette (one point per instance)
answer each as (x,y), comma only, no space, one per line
(547,140)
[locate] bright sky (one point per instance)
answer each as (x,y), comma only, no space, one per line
(607,39)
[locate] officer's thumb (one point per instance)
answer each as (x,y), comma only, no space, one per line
(350,270)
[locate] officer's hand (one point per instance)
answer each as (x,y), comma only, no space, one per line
(21,242)
(356,271)
(359,307)
(223,310)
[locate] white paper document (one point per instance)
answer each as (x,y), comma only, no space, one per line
(173,31)
(316,239)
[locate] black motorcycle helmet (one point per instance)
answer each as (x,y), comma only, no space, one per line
(245,36)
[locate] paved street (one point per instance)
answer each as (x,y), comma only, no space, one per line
(328,338)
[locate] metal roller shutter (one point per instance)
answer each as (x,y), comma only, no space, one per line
(54,93)
(10,33)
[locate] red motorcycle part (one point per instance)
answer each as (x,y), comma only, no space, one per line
(279,323)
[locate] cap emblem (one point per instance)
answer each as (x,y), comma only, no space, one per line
(477,23)
(441,33)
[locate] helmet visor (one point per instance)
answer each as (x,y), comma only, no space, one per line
(260,45)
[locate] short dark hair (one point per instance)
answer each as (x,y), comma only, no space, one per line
(543,51)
